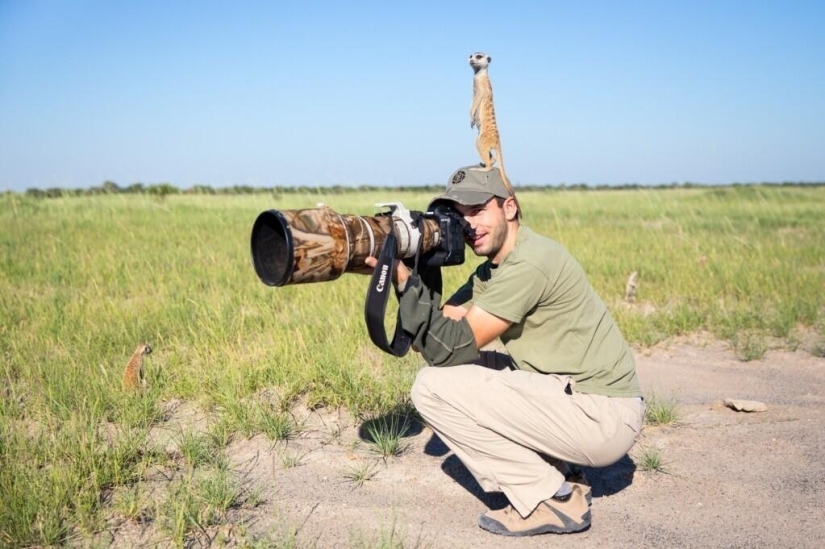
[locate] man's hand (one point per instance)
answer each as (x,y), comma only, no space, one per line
(401,274)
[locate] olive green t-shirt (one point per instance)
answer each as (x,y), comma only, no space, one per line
(560,326)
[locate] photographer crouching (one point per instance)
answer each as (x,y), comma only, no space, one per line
(568,392)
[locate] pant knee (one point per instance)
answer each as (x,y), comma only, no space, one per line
(419,388)
(421,392)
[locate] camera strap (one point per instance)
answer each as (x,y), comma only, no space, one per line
(378,294)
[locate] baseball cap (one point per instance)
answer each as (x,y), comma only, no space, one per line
(471,186)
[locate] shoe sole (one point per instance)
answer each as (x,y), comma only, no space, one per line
(570,527)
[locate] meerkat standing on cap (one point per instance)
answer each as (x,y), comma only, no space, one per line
(133,378)
(483,115)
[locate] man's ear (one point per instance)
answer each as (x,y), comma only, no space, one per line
(510,208)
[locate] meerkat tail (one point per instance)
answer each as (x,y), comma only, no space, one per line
(506,181)
(500,160)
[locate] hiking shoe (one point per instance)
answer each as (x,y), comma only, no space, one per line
(574,475)
(562,515)
(578,478)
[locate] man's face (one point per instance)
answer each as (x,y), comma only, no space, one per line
(490,225)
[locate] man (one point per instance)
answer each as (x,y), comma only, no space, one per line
(573,395)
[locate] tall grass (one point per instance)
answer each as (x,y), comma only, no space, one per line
(722,259)
(83,280)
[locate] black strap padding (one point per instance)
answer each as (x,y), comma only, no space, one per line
(378,294)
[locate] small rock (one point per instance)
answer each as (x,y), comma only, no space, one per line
(746,405)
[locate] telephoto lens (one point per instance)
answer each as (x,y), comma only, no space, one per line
(319,244)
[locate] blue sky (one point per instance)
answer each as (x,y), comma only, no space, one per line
(322,93)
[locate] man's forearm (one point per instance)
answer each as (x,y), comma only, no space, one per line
(442,341)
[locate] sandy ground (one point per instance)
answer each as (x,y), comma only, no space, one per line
(733,479)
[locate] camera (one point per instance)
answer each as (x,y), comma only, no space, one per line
(319,244)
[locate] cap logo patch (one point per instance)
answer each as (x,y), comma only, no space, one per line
(458,177)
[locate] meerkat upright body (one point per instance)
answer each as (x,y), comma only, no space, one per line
(483,113)
(631,287)
(133,375)
(483,116)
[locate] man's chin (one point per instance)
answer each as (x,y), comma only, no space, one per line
(480,250)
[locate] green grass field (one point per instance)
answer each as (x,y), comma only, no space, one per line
(83,280)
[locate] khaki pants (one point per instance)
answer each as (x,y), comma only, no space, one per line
(500,422)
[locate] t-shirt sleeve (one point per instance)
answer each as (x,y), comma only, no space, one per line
(515,291)
(463,296)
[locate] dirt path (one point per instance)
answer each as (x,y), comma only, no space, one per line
(735,479)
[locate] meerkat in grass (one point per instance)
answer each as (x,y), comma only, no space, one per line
(133,378)
(631,287)
(483,117)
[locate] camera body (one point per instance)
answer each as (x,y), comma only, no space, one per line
(318,244)
(447,227)
(450,249)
